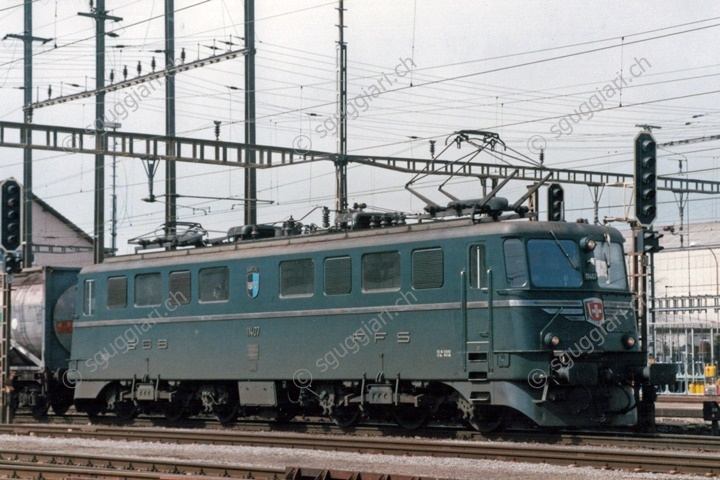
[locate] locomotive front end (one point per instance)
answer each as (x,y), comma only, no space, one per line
(565,343)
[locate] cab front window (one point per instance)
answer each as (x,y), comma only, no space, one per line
(554,263)
(609,264)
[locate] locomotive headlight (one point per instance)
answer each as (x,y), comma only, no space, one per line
(551,340)
(587,244)
(628,341)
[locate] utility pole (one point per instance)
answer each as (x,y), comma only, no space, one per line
(6,394)
(341,202)
(250,180)
(25,139)
(113,222)
(100,15)
(26,135)
(170,172)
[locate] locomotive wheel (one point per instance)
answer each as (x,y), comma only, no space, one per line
(226,412)
(174,411)
(490,420)
(60,407)
(410,417)
(125,410)
(92,408)
(345,417)
(40,409)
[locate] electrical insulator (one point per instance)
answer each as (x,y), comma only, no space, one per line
(139,68)
(432,148)
(49,91)
(152,64)
(542,155)
(217,129)
(124,72)
(112,76)
(326,217)
(182,55)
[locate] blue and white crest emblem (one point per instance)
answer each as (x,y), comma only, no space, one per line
(594,311)
(253,284)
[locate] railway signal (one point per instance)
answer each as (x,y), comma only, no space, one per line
(556,203)
(648,241)
(645,178)
(11,196)
(12,263)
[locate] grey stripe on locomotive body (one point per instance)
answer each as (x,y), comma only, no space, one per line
(212,340)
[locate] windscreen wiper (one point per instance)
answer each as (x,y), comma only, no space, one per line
(557,242)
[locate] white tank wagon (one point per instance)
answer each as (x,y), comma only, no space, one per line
(43,311)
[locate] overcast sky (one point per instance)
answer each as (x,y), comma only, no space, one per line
(574,78)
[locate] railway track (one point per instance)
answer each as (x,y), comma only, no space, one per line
(699,455)
(25,464)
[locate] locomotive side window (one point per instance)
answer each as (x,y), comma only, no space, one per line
(148,289)
(214,284)
(297,278)
(610,266)
(515,264)
(428,269)
(180,287)
(117,292)
(381,271)
(338,276)
(89,297)
(554,263)
(478,269)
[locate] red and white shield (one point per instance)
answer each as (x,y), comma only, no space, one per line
(594,312)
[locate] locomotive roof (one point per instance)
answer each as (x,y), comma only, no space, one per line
(341,241)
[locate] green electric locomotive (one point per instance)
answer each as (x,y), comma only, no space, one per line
(463,319)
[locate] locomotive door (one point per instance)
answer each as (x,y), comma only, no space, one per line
(477,313)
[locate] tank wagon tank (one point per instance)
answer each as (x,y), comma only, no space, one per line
(458,319)
(43,310)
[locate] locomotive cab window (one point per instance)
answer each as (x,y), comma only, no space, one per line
(338,276)
(148,290)
(609,264)
(478,268)
(117,292)
(89,297)
(428,270)
(554,263)
(381,271)
(515,263)
(214,284)
(297,278)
